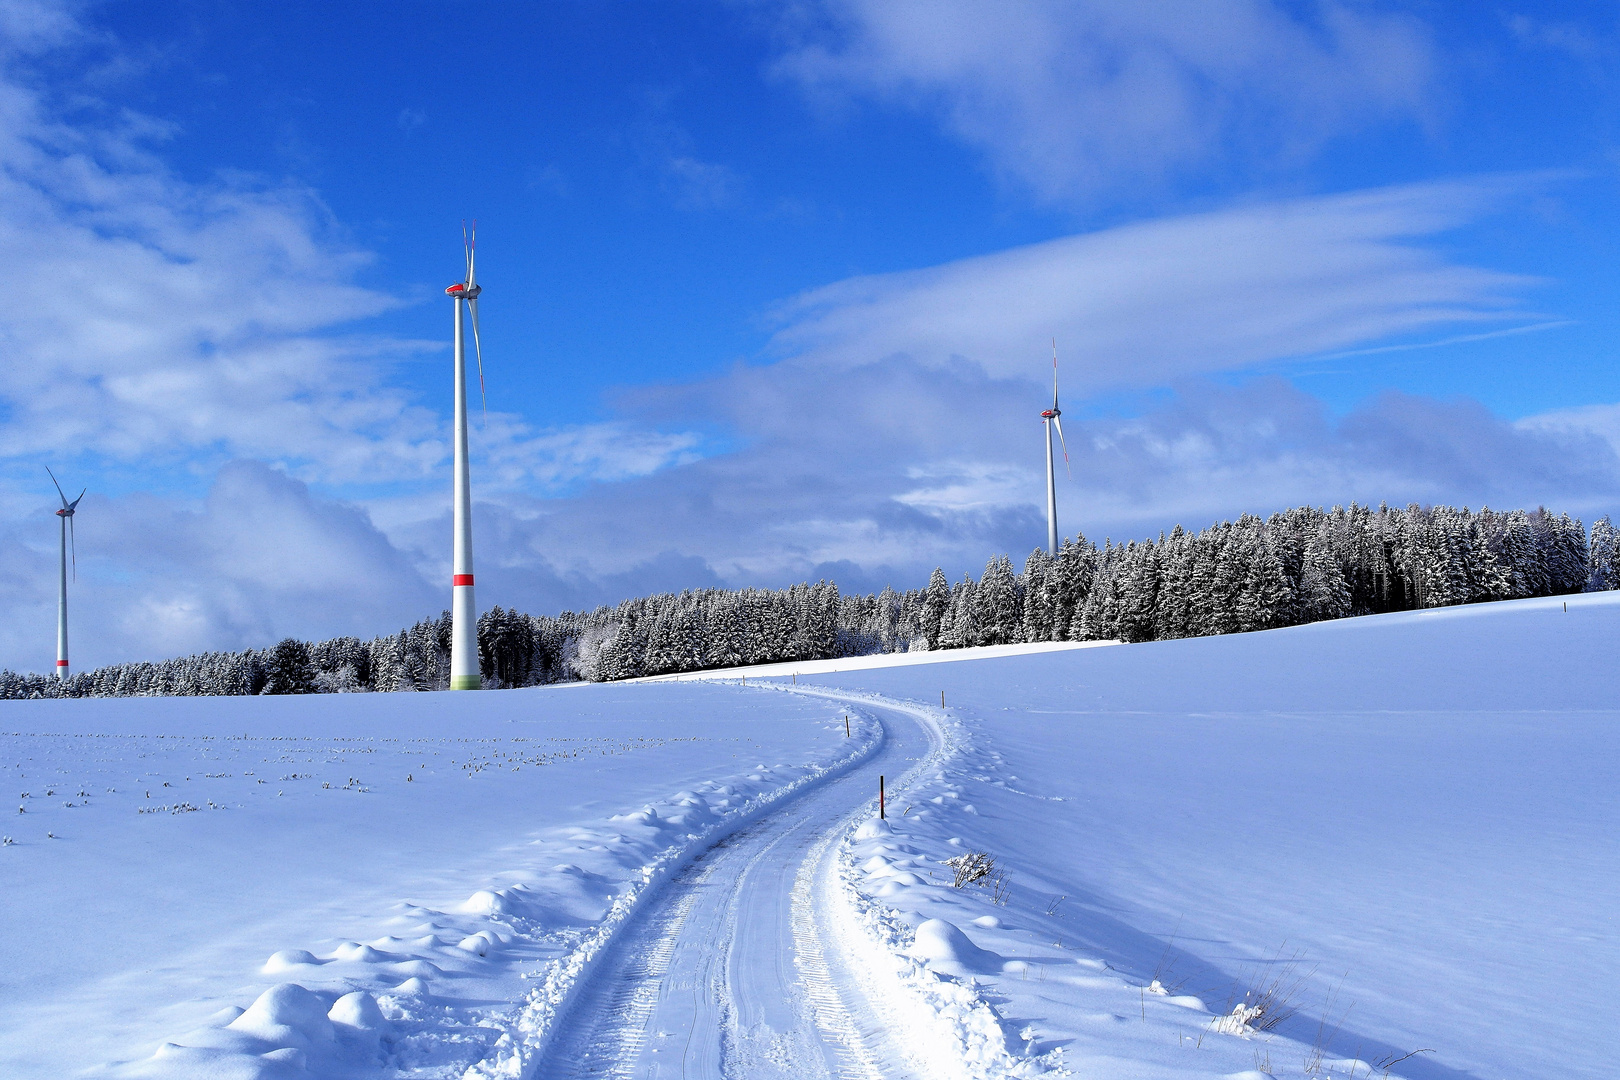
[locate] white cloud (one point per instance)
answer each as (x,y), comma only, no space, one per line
(181,325)
(162,318)
(1578,42)
(555,460)
(1076,98)
(258,559)
(1144,305)
(700,185)
(958,486)
(1600,421)
(876,476)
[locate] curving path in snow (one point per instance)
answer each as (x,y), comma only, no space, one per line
(737,970)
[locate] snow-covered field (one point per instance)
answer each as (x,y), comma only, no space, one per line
(194,838)
(1410,819)
(1403,825)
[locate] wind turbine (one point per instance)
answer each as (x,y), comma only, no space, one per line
(463,610)
(66,514)
(1049,417)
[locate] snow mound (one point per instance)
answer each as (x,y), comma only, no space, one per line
(943,947)
(873,829)
(356,953)
(287,1015)
(288,959)
(359,1010)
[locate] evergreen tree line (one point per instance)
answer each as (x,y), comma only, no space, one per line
(1302,565)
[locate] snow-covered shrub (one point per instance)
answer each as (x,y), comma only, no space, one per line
(970,867)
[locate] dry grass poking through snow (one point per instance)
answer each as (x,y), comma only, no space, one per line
(1272,997)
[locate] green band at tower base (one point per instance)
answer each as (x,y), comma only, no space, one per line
(466,682)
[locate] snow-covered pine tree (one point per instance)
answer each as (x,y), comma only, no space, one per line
(960,629)
(289,670)
(1520,550)
(1098,617)
(1203,601)
(1172,611)
(1232,556)
(1265,597)
(1138,586)
(936,602)
(1040,596)
(387,663)
(881,624)
(1076,566)
(998,617)
(1603,558)
(1324,593)
(1567,565)
(1488,579)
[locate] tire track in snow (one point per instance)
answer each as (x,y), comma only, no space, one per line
(623,1006)
(735,971)
(854,1061)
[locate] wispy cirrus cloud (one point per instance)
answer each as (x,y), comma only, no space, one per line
(1074,99)
(1144,305)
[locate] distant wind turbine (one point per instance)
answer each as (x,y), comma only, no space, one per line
(463,609)
(68,539)
(1050,417)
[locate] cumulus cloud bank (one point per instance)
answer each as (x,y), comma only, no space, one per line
(896,467)
(257,559)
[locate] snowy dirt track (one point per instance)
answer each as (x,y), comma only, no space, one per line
(737,969)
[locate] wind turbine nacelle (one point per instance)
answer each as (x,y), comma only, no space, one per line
(1047,414)
(461,291)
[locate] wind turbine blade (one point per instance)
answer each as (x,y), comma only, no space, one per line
(1054,373)
(466,248)
(1059,422)
(478,350)
(59,490)
(73,544)
(74,505)
(472,254)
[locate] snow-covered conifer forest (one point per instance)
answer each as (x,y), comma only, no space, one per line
(1300,566)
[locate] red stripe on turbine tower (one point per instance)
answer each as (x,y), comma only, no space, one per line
(461,579)
(61,663)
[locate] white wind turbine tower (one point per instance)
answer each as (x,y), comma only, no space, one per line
(463,609)
(1049,417)
(66,514)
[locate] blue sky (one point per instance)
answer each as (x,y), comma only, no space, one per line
(768,287)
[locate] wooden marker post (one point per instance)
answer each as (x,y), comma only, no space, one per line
(882,813)
(942,699)
(846,725)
